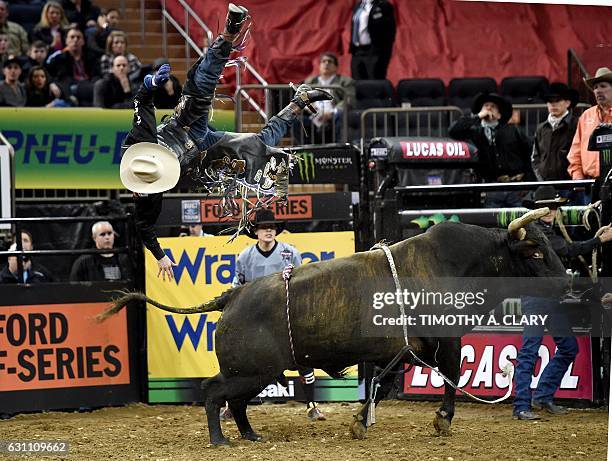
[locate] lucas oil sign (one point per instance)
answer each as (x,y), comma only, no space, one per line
(435,150)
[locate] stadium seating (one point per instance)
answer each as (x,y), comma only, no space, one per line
(370,94)
(524,90)
(461,91)
(421,92)
(25,14)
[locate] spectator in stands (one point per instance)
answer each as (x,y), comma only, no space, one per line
(504,153)
(101,266)
(116,45)
(106,23)
(41,92)
(12,91)
(372,37)
(52,27)
(37,55)
(32,273)
(72,65)
(168,95)
(194,230)
(329,113)
(114,90)
(584,163)
(554,136)
(81,13)
(4,46)
(18,37)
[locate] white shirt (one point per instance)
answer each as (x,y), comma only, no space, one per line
(364,35)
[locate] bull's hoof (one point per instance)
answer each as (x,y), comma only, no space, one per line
(358,429)
(252,436)
(442,425)
(220,442)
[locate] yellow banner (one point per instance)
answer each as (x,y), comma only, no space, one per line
(182,346)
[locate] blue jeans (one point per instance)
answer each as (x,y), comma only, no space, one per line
(567,348)
(206,76)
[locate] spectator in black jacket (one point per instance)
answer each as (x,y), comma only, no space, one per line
(32,272)
(168,95)
(51,29)
(554,136)
(81,13)
(96,38)
(37,55)
(105,266)
(72,65)
(372,37)
(114,90)
(504,153)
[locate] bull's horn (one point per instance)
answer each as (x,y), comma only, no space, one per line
(517,227)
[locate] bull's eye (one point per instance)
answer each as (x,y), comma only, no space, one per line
(537,255)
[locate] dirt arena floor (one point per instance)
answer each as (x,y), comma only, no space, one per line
(403,432)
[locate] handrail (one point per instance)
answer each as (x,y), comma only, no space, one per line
(184,32)
(483,187)
(264,113)
(11,151)
(573,56)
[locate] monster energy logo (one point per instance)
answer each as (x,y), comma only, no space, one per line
(306,166)
(572,215)
(425,221)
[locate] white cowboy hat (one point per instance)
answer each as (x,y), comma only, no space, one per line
(149,168)
(603,74)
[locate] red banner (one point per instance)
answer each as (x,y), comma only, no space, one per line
(61,345)
(435,150)
(484,356)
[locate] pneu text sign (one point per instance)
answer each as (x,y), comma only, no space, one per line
(73,148)
(61,345)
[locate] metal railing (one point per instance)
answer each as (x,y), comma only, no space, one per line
(185,33)
(271,98)
(576,73)
(11,153)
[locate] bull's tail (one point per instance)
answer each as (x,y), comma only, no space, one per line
(216,304)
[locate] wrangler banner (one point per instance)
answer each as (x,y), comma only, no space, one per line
(74,148)
(484,356)
(183,346)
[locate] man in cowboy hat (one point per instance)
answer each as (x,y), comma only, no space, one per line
(269,256)
(554,136)
(503,151)
(584,163)
(235,164)
(557,322)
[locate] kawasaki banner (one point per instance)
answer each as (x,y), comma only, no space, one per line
(181,348)
(326,164)
(72,148)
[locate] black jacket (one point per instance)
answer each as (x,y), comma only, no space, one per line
(381,25)
(37,274)
(563,248)
(61,67)
(89,268)
(550,149)
(509,154)
(109,94)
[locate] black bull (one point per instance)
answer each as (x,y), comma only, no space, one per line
(252,336)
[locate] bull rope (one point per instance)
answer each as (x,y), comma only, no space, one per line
(286,276)
(508,369)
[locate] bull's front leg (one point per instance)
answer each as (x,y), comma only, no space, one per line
(449,363)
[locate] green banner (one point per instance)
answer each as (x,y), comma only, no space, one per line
(76,148)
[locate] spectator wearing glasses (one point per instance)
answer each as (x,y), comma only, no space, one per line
(326,123)
(114,91)
(101,267)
